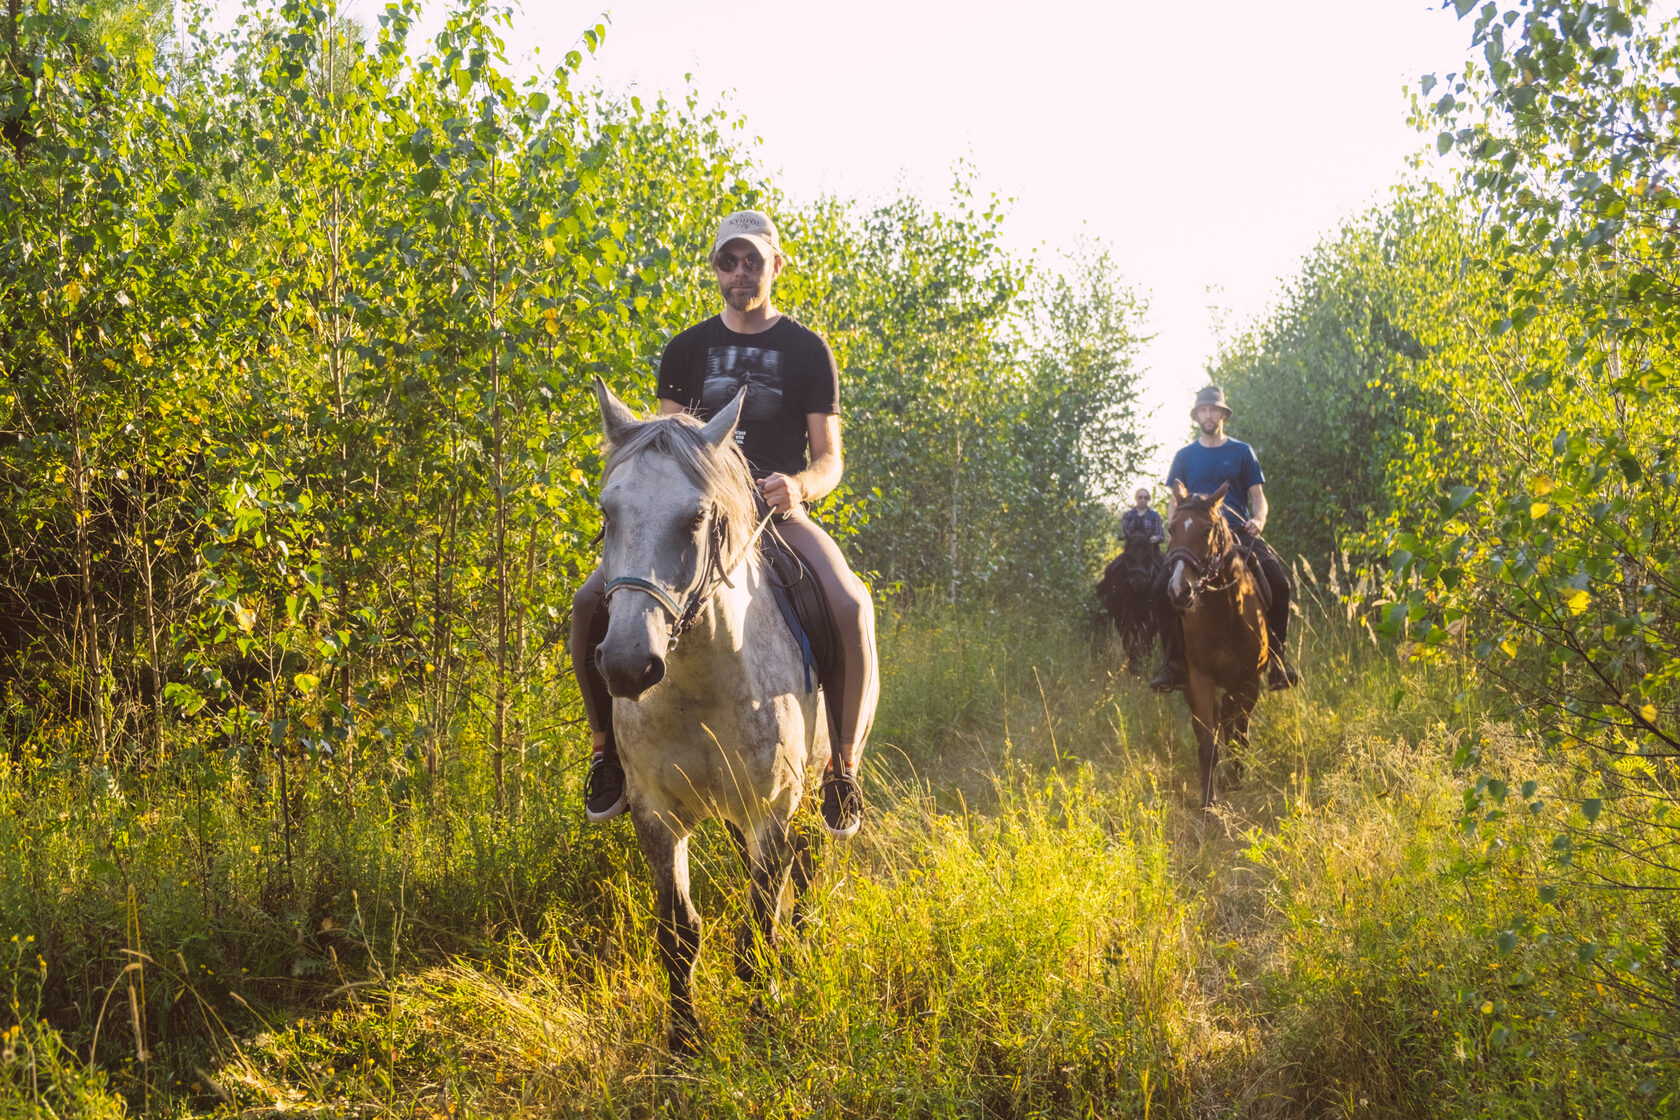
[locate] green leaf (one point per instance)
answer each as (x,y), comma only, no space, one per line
(1592,807)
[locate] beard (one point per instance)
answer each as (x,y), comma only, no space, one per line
(1209,427)
(744,299)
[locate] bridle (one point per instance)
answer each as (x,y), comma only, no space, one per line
(714,574)
(1208,571)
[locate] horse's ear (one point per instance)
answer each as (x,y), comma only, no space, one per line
(722,426)
(1180,492)
(1219,494)
(616,417)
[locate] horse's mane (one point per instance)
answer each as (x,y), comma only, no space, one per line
(718,472)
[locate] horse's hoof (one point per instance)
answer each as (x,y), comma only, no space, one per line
(683,1040)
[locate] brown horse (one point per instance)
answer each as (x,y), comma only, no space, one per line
(1217,593)
(1127,594)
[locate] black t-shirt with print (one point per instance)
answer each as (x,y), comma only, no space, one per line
(789,372)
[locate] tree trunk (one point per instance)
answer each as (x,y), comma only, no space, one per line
(89,606)
(499,731)
(154,670)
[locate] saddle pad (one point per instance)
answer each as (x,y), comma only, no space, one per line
(803,605)
(1252,553)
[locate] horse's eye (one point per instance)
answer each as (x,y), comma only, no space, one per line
(699,519)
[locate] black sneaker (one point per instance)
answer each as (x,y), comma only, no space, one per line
(603,788)
(1280,675)
(1169,679)
(842,806)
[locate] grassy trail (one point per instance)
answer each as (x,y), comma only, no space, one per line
(1036,922)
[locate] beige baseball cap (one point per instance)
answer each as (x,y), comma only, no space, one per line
(749,225)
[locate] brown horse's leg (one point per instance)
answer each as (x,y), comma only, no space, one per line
(677,923)
(1239,705)
(770,852)
(1199,692)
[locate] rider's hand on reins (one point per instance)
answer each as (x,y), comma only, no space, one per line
(1252,527)
(781,492)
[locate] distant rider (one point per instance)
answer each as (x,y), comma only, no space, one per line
(1202,467)
(790,435)
(1142,521)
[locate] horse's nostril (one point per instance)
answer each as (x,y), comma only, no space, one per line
(653,672)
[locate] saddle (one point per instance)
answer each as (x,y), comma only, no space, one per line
(810,619)
(804,607)
(1252,550)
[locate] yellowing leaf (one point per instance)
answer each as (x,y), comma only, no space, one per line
(1648,713)
(1542,485)
(1577,602)
(1538,509)
(306,682)
(1508,648)
(244,616)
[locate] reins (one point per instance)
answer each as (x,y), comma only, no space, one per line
(1208,571)
(715,574)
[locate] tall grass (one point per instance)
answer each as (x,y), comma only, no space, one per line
(1035,922)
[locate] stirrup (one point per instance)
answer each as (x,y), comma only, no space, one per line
(1169,679)
(603,788)
(1280,675)
(842,806)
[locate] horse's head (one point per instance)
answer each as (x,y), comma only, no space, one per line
(676,499)
(1197,541)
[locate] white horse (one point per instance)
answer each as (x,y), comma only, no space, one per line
(711,706)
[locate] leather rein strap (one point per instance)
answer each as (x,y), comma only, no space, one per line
(1207,572)
(715,574)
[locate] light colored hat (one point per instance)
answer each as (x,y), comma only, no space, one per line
(1211,394)
(749,225)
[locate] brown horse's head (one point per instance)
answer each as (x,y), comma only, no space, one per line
(1199,543)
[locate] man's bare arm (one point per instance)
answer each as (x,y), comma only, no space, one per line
(1257,510)
(817,480)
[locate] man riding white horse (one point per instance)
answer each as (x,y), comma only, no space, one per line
(790,433)
(1216,459)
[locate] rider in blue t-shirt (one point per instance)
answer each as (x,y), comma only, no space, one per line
(1215,459)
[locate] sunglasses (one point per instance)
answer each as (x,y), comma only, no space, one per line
(728,262)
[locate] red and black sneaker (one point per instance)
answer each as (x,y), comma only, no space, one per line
(842,805)
(603,787)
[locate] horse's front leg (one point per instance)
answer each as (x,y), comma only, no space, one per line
(677,921)
(804,873)
(769,852)
(1201,694)
(1238,706)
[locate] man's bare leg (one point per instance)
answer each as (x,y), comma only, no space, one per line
(854,619)
(603,789)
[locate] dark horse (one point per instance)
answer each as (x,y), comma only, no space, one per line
(1126,592)
(1216,591)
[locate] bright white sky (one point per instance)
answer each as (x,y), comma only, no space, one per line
(1210,144)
